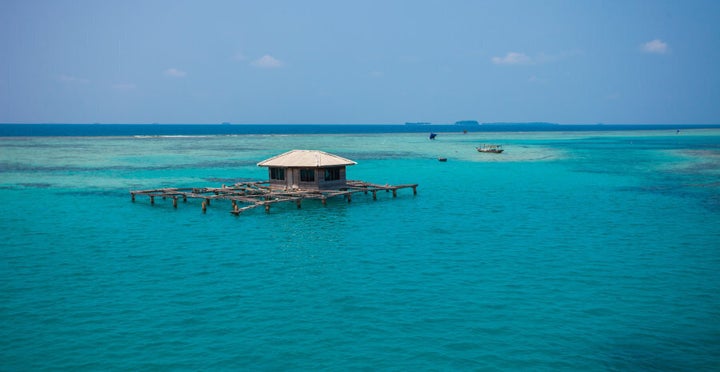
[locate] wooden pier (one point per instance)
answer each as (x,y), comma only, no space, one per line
(248,195)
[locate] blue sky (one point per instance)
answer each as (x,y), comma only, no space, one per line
(360,62)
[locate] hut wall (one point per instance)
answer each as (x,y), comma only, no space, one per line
(323,178)
(293,179)
(285,181)
(334,182)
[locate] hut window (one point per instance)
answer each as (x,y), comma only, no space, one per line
(277,173)
(307,175)
(332,174)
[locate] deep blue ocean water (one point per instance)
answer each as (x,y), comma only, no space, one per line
(573,250)
(16,130)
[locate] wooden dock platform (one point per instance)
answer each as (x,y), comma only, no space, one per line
(248,195)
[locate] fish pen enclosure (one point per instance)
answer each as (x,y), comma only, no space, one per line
(244,196)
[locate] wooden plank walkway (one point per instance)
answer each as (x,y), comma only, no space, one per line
(261,194)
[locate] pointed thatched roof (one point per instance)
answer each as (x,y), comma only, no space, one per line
(305,159)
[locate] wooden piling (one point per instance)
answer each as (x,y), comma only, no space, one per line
(132,196)
(204,207)
(152,200)
(374,194)
(299,203)
(394,193)
(174,201)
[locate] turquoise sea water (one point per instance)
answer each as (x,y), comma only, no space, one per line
(570,251)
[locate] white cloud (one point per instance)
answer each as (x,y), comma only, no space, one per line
(516,58)
(656,46)
(173,72)
(267,61)
(512,58)
(72,79)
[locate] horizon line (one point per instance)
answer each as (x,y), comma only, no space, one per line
(395,124)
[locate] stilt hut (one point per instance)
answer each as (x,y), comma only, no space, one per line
(307,169)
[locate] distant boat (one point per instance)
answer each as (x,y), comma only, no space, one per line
(442,159)
(466,123)
(496,149)
(432,136)
(417,123)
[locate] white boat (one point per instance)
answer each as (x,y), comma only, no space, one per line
(496,149)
